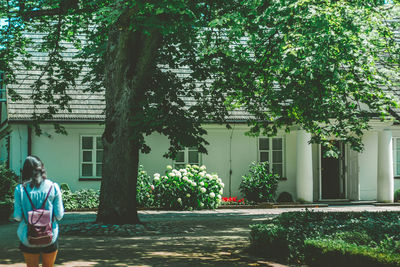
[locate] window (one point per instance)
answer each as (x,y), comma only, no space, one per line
(91,157)
(189,155)
(271,150)
(396,157)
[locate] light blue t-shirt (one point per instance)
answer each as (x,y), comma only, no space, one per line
(38,195)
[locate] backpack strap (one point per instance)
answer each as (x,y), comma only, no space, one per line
(30,200)
(44,202)
(22,206)
(47,196)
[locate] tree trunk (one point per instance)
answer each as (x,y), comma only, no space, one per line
(129,61)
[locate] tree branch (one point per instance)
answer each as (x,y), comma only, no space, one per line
(64,7)
(40,13)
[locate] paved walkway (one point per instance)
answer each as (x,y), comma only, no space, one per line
(213,239)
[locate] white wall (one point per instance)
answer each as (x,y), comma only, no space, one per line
(227,150)
(243,153)
(291,165)
(154,162)
(220,157)
(18,147)
(61,156)
(60,153)
(233,150)
(368,164)
(396,134)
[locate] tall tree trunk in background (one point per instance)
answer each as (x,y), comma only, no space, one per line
(130,56)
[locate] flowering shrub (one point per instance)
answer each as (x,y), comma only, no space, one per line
(232,201)
(259,185)
(187,189)
(144,192)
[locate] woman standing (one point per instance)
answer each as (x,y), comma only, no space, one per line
(37,191)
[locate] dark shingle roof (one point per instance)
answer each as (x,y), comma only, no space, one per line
(85,106)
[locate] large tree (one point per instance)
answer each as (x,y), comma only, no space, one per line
(326,66)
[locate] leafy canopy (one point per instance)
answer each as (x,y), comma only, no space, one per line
(323,65)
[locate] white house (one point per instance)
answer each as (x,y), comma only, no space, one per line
(75,158)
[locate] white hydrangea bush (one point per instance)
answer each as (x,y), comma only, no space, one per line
(144,193)
(191,188)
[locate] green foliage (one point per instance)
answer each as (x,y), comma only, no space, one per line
(8,182)
(144,191)
(390,244)
(187,189)
(65,187)
(328,252)
(269,240)
(354,237)
(81,199)
(259,185)
(324,55)
(319,65)
(373,229)
(397,195)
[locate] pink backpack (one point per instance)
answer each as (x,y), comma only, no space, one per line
(40,230)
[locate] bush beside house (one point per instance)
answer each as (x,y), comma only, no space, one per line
(397,196)
(187,189)
(144,191)
(191,188)
(85,199)
(259,185)
(330,253)
(284,237)
(8,182)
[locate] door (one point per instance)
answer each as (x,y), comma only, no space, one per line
(333,174)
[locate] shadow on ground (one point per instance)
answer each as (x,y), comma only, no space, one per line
(210,244)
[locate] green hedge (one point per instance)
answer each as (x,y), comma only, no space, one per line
(81,199)
(270,241)
(283,237)
(330,253)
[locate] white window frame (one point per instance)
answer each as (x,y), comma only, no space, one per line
(186,157)
(94,156)
(395,140)
(270,153)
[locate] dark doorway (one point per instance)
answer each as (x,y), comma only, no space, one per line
(332,174)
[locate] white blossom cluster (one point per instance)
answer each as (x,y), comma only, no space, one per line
(192,187)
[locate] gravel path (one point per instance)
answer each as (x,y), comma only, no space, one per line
(199,238)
